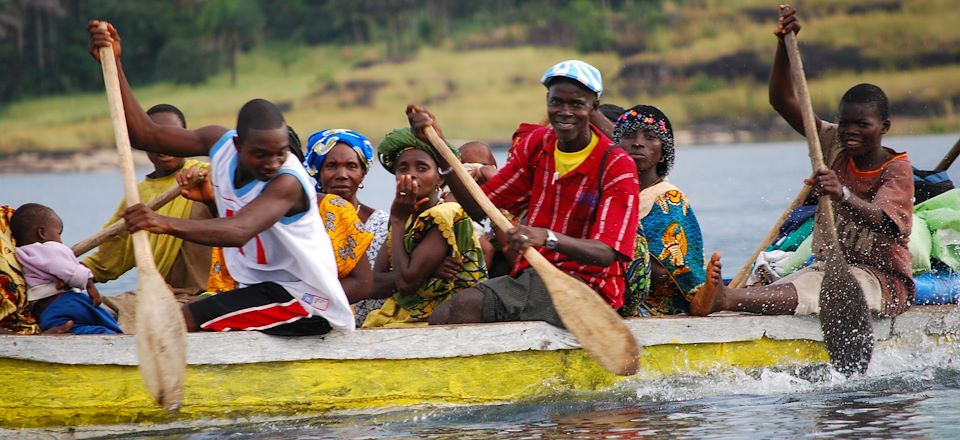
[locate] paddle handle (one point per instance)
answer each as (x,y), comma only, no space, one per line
(491,210)
(111,81)
(810,129)
(949,158)
(536,259)
(121,225)
(740,280)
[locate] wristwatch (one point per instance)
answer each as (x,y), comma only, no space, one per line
(552,241)
(846,193)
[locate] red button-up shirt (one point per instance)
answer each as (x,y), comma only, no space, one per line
(573,204)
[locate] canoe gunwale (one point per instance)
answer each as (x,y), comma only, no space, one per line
(435,341)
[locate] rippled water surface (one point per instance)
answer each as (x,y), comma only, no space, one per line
(908,393)
(737,192)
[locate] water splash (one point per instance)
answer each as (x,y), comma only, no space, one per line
(912,389)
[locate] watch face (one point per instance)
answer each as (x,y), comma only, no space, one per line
(552,241)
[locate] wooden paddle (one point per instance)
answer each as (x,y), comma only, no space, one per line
(740,280)
(599,329)
(161,333)
(844,315)
(121,225)
(949,158)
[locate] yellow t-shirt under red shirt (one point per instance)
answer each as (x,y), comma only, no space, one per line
(567,162)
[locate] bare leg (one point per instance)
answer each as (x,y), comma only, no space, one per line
(773,299)
(465,308)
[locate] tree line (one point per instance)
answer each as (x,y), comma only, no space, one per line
(185,41)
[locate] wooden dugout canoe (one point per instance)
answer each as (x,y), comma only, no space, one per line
(68,381)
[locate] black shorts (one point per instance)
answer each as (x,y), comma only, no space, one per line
(265,307)
(524,298)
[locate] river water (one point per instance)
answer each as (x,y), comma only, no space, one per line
(737,191)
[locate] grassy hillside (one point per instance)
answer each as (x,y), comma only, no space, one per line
(705,64)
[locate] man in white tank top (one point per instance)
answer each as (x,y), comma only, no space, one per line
(274,242)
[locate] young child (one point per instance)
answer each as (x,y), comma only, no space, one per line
(54,276)
(872,190)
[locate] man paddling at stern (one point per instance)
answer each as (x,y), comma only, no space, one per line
(274,242)
(581,195)
(872,189)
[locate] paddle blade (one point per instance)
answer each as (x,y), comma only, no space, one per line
(161,340)
(845,319)
(600,331)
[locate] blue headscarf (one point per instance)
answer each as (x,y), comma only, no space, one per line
(321,142)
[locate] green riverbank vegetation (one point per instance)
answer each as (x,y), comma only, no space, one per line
(476,65)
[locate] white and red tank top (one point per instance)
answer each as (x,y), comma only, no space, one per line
(295,252)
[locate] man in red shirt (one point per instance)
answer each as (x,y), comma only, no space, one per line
(580,194)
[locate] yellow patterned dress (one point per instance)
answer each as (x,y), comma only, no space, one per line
(347,234)
(414,309)
(15,313)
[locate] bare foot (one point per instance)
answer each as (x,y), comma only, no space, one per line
(710,296)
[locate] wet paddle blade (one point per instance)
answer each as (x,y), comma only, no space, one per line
(598,328)
(161,340)
(845,319)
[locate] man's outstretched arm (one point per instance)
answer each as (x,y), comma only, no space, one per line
(284,194)
(144,133)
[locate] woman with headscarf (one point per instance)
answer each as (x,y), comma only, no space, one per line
(339,160)
(674,242)
(424,231)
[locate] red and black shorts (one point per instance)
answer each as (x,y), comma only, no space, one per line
(265,307)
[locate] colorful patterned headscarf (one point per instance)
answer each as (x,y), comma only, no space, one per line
(320,143)
(400,140)
(648,117)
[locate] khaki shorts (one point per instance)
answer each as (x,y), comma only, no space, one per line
(807,281)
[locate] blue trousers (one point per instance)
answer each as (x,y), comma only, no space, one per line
(76,307)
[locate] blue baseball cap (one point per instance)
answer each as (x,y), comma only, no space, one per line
(576,70)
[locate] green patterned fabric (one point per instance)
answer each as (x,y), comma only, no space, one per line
(457,228)
(400,140)
(637,277)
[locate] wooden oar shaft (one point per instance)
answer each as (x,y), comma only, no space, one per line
(493,213)
(809,127)
(740,280)
(491,210)
(949,158)
(120,225)
(141,244)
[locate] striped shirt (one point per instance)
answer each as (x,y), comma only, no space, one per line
(569,204)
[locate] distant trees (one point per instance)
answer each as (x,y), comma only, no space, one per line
(234,25)
(22,21)
(43,42)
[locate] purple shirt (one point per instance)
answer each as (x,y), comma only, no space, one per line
(44,264)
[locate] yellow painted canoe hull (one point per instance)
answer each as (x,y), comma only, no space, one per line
(70,381)
(37,394)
